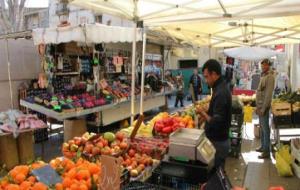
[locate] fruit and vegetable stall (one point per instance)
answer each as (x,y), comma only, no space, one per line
(142,158)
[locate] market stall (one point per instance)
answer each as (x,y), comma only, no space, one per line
(145,158)
(108,72)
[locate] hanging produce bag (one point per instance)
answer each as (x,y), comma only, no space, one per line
(248,111)
(283,161)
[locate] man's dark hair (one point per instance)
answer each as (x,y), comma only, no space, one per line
(267,61)
(212,65)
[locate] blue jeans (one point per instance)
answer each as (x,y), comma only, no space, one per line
(265,131)
(222,150)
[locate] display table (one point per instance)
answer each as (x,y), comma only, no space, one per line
(277,129)
(237,91)
(107,112)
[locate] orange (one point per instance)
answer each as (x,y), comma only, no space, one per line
(83,174)
(72,173)
(94,168)
(25,185)
(59,186)
(37,165)
(67,182)
(4,182)
(74,186)
(13,187)
(83,186)
(20,178)
(13,173)
(32,179)
(39,186)
(23,169)
(89,183)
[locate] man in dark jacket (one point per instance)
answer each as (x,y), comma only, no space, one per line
(218,117)
(195,82)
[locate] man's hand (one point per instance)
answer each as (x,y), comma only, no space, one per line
(258,112)
(202,114)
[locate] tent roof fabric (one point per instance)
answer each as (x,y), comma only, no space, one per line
(250,53)
(219,23)
(90,33)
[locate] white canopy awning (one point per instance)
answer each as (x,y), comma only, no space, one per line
(218,23)
(250,53)
(90,33)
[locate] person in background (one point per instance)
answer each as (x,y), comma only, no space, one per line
(195,82)
(180,90)
(264,94)
(218,116)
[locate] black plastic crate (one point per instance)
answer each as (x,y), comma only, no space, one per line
(235,141)
(180,175)
(296,118)
(163,180)
(137,185)
(235,151)
(236,130)
(40,135)
(282,120)
(235,146)
(125,178)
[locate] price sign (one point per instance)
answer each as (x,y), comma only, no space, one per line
(110,173)
(47,175)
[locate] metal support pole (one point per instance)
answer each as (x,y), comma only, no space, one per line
(133,74)
(143,73)
(9,76)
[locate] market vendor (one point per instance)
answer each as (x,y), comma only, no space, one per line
(218,116)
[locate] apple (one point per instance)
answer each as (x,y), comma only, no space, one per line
(131,153)
(120,136)
(96,150)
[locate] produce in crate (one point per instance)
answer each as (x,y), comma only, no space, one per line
(296,107)
(76,175)
(135,162)
(143,131)
(20,178)
(92,146)
(167,125)
(154,147)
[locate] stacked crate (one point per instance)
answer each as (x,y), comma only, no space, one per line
(282,114)
(235,133)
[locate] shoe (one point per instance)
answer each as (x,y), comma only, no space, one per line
(182,106)
(264,155)
(259,149)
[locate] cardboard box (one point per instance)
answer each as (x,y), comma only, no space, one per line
(8,151)
(74,128)
(281,108)
(25,146)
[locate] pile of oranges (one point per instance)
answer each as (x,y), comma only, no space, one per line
(82,175)
(79,175)
(19,178)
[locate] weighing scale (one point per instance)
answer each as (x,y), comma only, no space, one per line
(189,161)
(191,145)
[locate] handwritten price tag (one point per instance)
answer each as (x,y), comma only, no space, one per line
(110,173)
